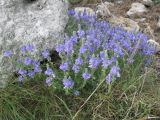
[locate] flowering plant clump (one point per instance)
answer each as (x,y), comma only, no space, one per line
(97,51)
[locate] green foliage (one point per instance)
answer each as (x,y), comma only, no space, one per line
(74,1)
(156,1)
(71,26)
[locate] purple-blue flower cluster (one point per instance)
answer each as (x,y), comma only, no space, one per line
(29,66)
(98,47)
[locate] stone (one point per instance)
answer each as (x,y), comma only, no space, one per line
(142,20)
(37,22)
(154,44)
(148,3)
(119,2)
(136,8)
(109,4)
(88,10)
(103,9)
(126,23)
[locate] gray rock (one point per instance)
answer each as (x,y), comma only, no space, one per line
(148,3)
(103,9)
(120,2)
(154,44)
(136,8)
(37,22)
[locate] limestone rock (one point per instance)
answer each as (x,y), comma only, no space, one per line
(126,23)
(88,10)
(136,8)
(103,9)
(109,4)
(155,44)
(142,20)
(120,2)
(37,22)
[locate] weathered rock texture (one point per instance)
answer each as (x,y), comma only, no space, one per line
(103,9)
(136,8)
(39,22)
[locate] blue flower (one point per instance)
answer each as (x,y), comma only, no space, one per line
(81,33)
(86,76)
(94,62)
(31,74)
(109,78)
(83,49)
(71,12)
(106,63)
(20,78)
(68,83)
(49,81)
(45,54)
(76,68)
(117,49)
(27,61)
(49,71)
(22,72)
(37,69)
(60,48)
(35,63)
(68,47)
(74,39)
(102,55)
(79,61)
(8,53)
(115,71)
(64,66)
(28,47)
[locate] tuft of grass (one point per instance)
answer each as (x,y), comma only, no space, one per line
(156,1)
(74,1)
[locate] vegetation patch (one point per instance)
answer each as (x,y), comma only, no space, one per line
(100,72)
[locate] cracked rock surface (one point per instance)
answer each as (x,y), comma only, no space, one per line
(37,22)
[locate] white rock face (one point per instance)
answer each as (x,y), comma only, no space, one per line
(39,22)
(136,8)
